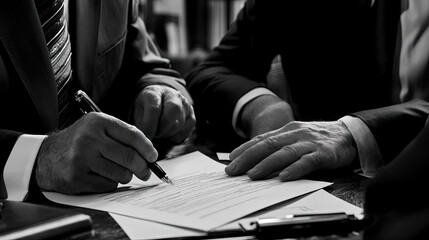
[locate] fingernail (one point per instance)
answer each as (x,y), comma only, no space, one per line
(231,168)
(145,178)
(285,175)
(253,171)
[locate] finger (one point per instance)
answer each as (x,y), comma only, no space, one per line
(180,129)
(172,118)
(243,147)
(305,165)
(111,171)
(272,175)
(152,110)
(124,156)
(256,153)
(184,132)
(278,161)
(130,136)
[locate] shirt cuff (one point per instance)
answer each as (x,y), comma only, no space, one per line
(369,154)
(19,166)
(254,93)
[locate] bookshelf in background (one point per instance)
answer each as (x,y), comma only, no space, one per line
(185,30)
(166,21)
(221,13)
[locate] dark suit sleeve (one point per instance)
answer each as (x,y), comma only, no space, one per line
(396,196)
(146,60)
(238,64)
(141,65)
(395,126)
(7,141)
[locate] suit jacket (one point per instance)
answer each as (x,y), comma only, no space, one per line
(396,196)
(338,58)
(112,59)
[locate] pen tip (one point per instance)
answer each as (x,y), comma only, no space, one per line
(167,180)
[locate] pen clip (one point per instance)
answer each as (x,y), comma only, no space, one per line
(85,103)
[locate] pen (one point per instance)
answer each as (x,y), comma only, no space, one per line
(294,226)
(304,225)
(86,105)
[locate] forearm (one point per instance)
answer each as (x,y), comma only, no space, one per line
(263,114)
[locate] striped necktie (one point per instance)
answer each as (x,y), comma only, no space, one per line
(54,25)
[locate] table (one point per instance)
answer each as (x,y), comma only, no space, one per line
(346,185)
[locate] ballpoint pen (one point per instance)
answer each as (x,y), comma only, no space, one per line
(305,225)
(86,105)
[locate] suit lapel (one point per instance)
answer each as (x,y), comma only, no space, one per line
(22,36)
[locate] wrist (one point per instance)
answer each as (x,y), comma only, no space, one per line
(264,113)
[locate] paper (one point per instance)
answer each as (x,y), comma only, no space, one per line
(313,203)
(203,197)
(316,202)
(223,156)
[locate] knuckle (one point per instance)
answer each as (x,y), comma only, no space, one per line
(258,138)
(271,143)
(93,118)
(174,107)
(315,161)
(291,151)
(151,98)
(148,91)
(130,158)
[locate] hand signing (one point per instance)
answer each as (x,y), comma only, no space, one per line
(93,155)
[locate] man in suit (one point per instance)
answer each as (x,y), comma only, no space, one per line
(339,59)
(48,50)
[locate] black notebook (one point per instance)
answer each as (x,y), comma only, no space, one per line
(22,220)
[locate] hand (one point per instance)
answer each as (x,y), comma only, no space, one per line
(294,150)
(163,112)
(93,155)
(265,113)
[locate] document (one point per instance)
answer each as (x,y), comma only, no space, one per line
(311,203)
(202,198)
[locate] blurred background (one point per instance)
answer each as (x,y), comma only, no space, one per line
(185,30)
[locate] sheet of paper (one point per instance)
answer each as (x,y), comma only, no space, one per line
(223,156)
(203,197)
(312,203)
(315,202)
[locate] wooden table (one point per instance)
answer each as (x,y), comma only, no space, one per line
(346,185)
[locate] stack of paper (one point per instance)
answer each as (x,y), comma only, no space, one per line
(203,198)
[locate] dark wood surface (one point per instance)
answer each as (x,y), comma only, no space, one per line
(346,185)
